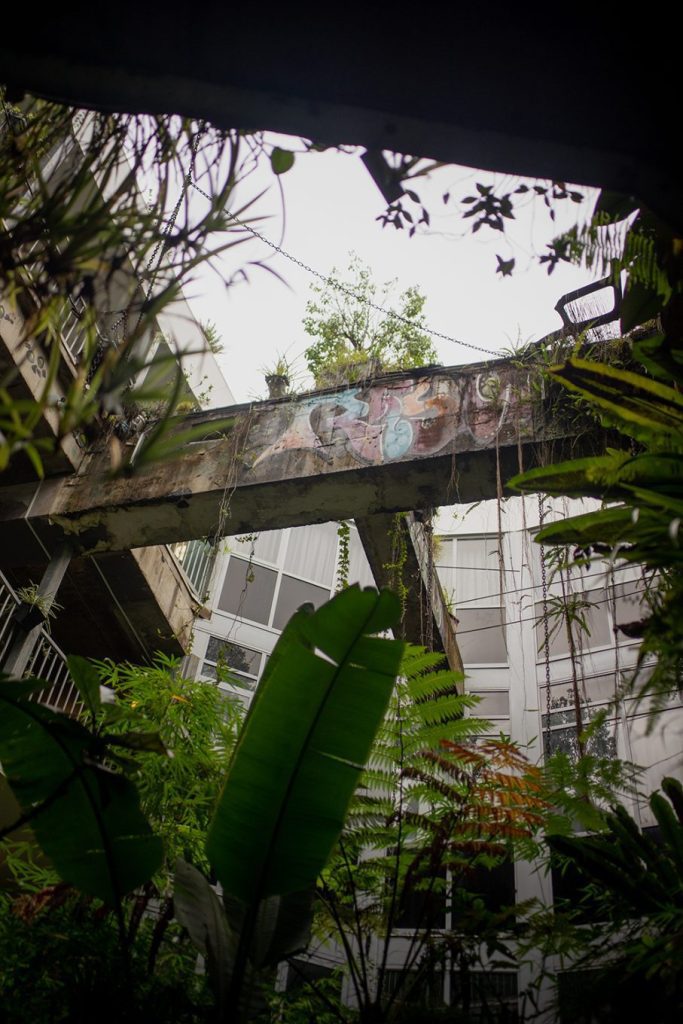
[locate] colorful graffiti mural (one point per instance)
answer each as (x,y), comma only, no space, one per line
(406,419)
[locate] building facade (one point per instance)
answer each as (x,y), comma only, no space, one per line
(535,644)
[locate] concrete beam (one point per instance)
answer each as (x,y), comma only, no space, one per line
(399,442)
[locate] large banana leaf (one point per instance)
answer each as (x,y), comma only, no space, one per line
(86,819)
(611,477)
(636,405)
(304,744)
(199,909)
(643,537)
(282,928)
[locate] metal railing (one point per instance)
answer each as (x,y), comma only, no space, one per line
(195,558)
(72,333)
(47,660)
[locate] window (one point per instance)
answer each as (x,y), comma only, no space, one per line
(425,991)
(423,905)
(469,570)
(481,636)
(243,662)
(312,552)
(294,593)
(629,602)
(359,567)
(492,703)
(248,590)
(485,996)
(560,731)
(588,616)
(263,547)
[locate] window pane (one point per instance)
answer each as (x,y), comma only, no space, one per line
(243,659)
(597,689)
(267,546)
(495,886)
(248,590)
(629,601)
(264,546)
(423,903)
(425,991)
(492,704)
(477,574)
(597,620)
(557,632)
(590,606)
(488,995)
(601,743)
(481,636)
(294,593)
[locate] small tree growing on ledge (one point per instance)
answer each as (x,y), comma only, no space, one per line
(354,337)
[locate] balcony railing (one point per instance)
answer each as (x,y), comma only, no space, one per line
(72,332)
(47,660)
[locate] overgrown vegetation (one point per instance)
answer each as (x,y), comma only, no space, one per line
(103,218)
(123,864)
(108,819)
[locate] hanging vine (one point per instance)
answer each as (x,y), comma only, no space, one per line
(343,554)
(399,556)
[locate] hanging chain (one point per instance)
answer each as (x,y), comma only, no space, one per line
(429,532)
(546,629)
(344,289)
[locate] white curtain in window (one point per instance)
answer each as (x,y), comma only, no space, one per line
(267,546)
(477,574)
(312,552)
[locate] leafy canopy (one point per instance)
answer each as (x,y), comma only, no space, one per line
(349,332)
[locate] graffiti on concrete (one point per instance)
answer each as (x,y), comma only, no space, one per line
(37,362)
(407,419)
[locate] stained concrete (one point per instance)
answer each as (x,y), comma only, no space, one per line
(395,443)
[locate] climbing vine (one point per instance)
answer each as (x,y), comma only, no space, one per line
(343,554)
(399,555)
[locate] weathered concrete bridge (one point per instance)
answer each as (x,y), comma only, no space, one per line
(403,441)
(399,442)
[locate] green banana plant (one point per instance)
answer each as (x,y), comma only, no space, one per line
(296,765)
(86,817)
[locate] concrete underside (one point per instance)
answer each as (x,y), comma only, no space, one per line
(124,605)
(506,95)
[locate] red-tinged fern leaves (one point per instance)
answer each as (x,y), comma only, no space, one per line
(480,803)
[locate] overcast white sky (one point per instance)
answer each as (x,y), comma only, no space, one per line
(331,203)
